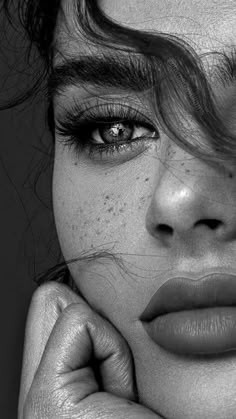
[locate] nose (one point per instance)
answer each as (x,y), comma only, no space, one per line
(192,203)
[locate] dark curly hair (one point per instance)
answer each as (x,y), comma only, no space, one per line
(178,81)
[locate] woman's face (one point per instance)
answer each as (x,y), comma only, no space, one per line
(120,202)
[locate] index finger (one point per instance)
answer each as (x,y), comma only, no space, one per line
(47,303)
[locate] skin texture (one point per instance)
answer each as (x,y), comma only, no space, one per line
(99,205)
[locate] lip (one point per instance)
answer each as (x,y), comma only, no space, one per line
(188,316)
(181,293)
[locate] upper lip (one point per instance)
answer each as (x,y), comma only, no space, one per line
(176,294)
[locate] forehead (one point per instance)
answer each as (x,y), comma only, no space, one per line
(198,20)
(206,25)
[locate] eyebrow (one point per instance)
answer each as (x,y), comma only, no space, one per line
(129,72)
(124,72)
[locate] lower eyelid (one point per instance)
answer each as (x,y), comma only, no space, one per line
(124,155)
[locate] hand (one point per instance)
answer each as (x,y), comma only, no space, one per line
(76,364)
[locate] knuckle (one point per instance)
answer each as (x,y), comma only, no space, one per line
(47,291)
(79,318)
(58,294)
(80,312)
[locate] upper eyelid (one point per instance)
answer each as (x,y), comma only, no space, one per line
(99,101)
(71,126)
(71,120)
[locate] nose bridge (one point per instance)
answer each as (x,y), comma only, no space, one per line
(181,189)
(183,170)
(184,174)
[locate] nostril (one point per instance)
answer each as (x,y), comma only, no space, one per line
(212,224)
(164,228)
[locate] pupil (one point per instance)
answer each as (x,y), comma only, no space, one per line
(115,131)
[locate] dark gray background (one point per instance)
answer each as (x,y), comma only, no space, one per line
(25,222)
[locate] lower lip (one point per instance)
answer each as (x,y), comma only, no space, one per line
(191,332)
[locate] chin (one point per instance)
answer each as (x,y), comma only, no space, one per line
(180,387)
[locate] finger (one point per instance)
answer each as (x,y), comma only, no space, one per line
(80,336)
(116,371)
(47,303)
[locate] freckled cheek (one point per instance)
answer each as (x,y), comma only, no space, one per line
(84,224)
(84,227)
(88,219)
(89,213)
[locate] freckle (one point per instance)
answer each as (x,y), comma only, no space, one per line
(137,178)
(187,171)
(110,209)
(107,197)
(182,164)
(121,209)
(98,218)
(230,175)
(146,179)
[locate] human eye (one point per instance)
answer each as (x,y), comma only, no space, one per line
(107,131)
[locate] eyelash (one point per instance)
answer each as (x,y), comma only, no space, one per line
(76,126)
